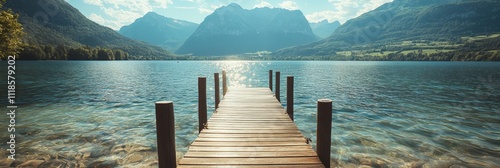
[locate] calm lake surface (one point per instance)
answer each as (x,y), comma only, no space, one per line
(385,114)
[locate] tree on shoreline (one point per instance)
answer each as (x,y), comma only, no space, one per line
(11,32)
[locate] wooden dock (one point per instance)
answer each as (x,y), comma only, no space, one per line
(249,128)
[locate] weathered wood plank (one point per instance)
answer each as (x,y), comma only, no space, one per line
(250,161)
(254,166)
(250,119)
(243,127)
(249,135)
(248,144)
(250,131)
(227,139)
(254,154)
(249,149)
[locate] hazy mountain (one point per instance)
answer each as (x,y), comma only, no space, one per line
(233,30)
(409,20)
(55,22)
(324,29)
(159,30)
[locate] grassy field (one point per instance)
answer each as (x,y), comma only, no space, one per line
(405,47)
(480,37)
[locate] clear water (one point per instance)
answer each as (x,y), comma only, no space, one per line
(386,114)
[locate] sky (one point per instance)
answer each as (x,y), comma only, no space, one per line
(118,13)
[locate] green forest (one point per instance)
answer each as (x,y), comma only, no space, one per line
(11,32)
(49,52)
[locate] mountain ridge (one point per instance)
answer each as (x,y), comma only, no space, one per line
(234,30)
(163,31)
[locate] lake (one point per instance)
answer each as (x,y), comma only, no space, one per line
(385,114)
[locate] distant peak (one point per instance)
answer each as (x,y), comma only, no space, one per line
(151,14)
(234,5)
(154,15)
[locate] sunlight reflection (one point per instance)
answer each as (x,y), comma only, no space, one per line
(239,73)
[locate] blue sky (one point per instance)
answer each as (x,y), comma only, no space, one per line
(117,13)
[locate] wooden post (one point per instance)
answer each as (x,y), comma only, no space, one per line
(202,103)
(224,83)
(277,92)
(271,80)
(217,95)
(289,96)
(323,130)
(165,133)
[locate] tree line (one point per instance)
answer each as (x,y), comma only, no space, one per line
(61,52)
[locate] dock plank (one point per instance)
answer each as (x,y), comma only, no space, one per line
(250,161)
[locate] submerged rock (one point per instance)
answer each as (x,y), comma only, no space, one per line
(6,162)
(370,161)
(134,158)
(104,164)
(30,132)
(458,166)
(131,148)
(53,163)
(365,166)
(30,164)
(444,164)
(56,136)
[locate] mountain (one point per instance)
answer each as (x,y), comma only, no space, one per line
(159,30)
(234,30)
(57,23)
(402,20)
(324,29)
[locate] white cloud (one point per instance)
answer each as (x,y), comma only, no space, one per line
(345,10)
(263,4)
(97,18)
(290,5)
(204,8)
(185,7)
(93,2)
(160,3)
(109,23)
(320,16)
(123,12)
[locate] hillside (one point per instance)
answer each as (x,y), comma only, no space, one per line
(57,23)
(407,20)
(234,30)
(161,31)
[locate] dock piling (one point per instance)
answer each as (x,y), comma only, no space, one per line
(224,83)
(271,80)
(202,103)
(277,92)
(217,88)
(289,96)
(323,130)
(165,133)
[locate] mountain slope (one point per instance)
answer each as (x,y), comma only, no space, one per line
(159,30)
(55,22)
(324,29)
(234,30)
(409,20)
